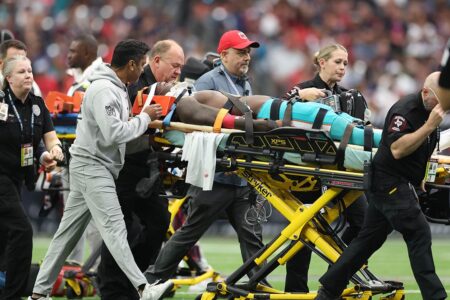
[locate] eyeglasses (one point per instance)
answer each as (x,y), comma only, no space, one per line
(172,64)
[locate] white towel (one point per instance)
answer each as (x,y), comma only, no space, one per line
(444,141)
(199,150)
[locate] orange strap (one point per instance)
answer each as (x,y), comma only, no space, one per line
(219,119)
(139,96)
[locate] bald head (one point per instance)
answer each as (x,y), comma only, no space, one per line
(430,86)
(166,59)
(432,80)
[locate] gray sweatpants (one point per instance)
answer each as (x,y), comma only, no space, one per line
(91,235)
(92,195)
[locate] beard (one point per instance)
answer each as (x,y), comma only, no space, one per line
(244,70)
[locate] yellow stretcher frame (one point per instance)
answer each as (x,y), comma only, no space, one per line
(303,227)
(300,228)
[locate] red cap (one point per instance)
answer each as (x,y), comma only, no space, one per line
(235,39)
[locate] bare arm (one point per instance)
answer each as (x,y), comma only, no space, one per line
(53,145)
(409,143)
(210,98)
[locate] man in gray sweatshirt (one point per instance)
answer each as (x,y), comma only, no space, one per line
(104,127)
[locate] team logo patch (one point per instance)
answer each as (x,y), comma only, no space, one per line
(398,124)
(36,110)
(110,110)
(242,35)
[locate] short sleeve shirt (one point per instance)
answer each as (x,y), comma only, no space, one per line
(12,137)
(404,117)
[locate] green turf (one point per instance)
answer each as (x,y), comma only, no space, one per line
(390,262)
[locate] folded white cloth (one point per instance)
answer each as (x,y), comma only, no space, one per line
(199,150)
(444,141)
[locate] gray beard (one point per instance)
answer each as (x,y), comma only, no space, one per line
(244,70)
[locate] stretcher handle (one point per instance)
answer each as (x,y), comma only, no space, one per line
(188,127)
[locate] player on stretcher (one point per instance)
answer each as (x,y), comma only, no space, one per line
(207,108)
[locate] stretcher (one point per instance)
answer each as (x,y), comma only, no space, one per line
(278,163)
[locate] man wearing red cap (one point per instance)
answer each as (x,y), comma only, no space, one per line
(231,76)
(230,194)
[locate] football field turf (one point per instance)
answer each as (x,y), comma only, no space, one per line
(390,263)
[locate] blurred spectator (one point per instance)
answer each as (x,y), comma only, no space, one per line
(379,34)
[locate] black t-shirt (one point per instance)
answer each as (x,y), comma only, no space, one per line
(405,116)
(146,79)
(317,82)
(12,137)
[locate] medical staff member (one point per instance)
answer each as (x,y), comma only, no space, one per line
(229,193)
(331,62)
(409,137)
(104,127)
(24,122)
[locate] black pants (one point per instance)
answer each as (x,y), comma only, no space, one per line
(398,211)
(204,208)
(147,221)
(19,241)
(298,266)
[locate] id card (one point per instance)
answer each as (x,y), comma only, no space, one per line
(3,111)
(26,155)
(430,175)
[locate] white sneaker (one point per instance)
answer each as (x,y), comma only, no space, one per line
(200,287)
(42,298)
(156,291)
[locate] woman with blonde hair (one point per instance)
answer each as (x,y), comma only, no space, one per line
(24,122)
(331,62)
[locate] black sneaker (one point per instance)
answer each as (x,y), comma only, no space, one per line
(323,294)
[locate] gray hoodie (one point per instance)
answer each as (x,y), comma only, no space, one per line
(104,126)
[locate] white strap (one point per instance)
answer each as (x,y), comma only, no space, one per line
(150,95)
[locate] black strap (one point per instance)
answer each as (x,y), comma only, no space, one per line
(248,115)
(287,118)
(243,108)
(368,138)
(248,119)
(340,155)
(228,105)
(275,109)
(318,121)
(180,95)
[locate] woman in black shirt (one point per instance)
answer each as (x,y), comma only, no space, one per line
(331,62)
(24,122)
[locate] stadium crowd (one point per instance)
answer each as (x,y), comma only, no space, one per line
(393,44)
(386,48)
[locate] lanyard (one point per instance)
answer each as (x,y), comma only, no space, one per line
(19,119)
(231,81)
